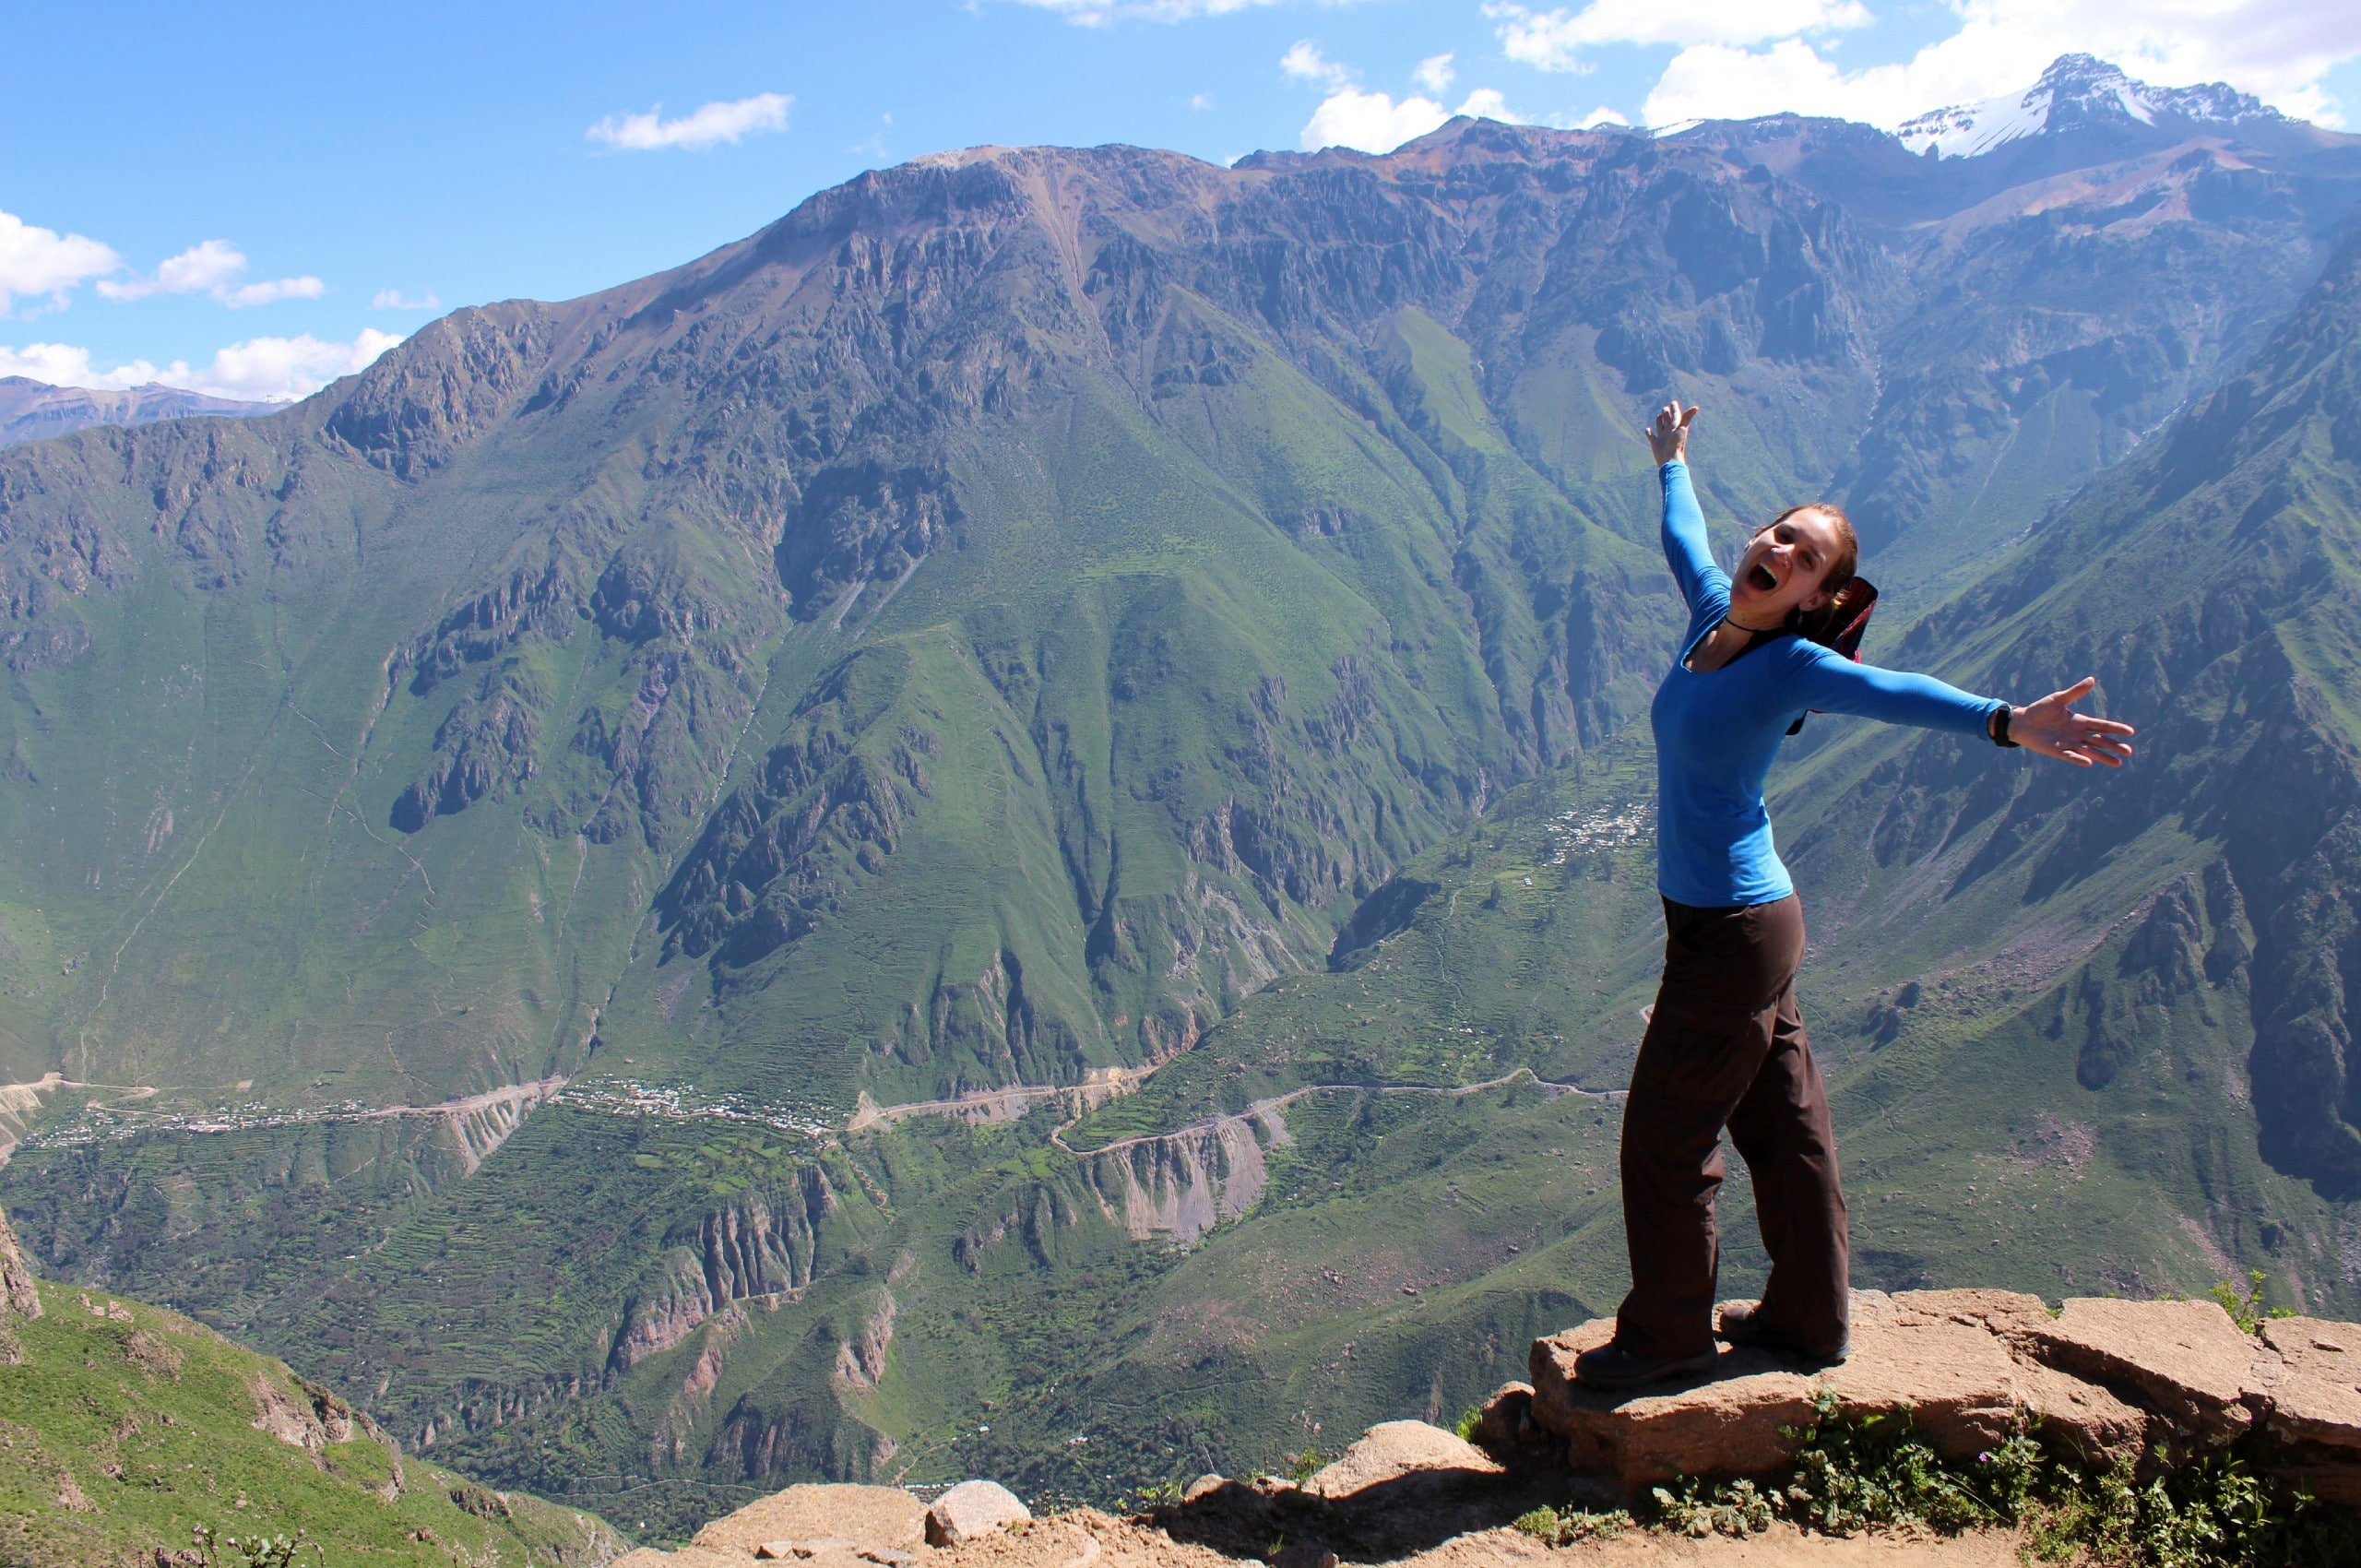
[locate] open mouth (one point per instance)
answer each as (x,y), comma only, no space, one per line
(1760,580)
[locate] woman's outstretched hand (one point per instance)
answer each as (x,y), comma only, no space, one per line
(2053,729)
(1668,437)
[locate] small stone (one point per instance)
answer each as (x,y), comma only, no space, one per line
(971,1511)
(1304,1554)
(775,1551)
(1204,1486)
(1506,1420)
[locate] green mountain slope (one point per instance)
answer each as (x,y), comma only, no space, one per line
(129,1430)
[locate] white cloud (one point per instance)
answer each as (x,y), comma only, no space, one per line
(1100,13)
(1568,120)
(394,299)
(305,287)
(2277,53)
(1714,81)
(60,364)
(1201,100)
(1553,41)
(708,126)
(37,261)
(1375,121)
(1370,121)
(1490,104)
(210,263)
(213,267)
(1304,62)
(258,370)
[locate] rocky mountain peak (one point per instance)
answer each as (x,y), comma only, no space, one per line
(2078,92)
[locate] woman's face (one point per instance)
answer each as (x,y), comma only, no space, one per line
(1783,567)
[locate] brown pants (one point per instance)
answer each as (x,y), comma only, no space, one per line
(1725,1047)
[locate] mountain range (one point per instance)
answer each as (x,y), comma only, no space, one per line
(989,827)
(34,410)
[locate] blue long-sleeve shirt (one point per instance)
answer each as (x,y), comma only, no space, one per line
(1716,732)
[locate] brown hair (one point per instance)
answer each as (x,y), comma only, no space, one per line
(1819,625)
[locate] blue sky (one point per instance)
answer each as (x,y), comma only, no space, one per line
(254,199)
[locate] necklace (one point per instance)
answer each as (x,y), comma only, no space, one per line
(1753,631)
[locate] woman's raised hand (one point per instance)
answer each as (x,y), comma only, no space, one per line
(2053,729)
(1668,437)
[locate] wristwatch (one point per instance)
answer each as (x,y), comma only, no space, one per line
(1999,728)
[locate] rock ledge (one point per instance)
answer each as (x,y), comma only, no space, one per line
(2100,1379)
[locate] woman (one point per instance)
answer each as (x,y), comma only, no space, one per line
(1725,1045)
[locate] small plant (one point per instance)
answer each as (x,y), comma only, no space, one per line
(260,1551)
(1730,1508)
(1855,1475)
(2245,1307)
(1551,1527)
(1469,1419)
(2009,1477)
(1302,1467)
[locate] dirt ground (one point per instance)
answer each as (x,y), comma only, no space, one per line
(1407,1496)
(1091,1539)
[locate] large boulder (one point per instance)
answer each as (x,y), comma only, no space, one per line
(1396,1450)
(1968,1366)
(833,1519)
(974,1510)
(2313,1412)
(1723,1421)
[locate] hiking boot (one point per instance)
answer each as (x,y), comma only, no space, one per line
(1611,1366)
(1746,1325)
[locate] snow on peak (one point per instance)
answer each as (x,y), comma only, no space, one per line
(2077,90)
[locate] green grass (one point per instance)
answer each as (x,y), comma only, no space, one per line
(129,1429)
